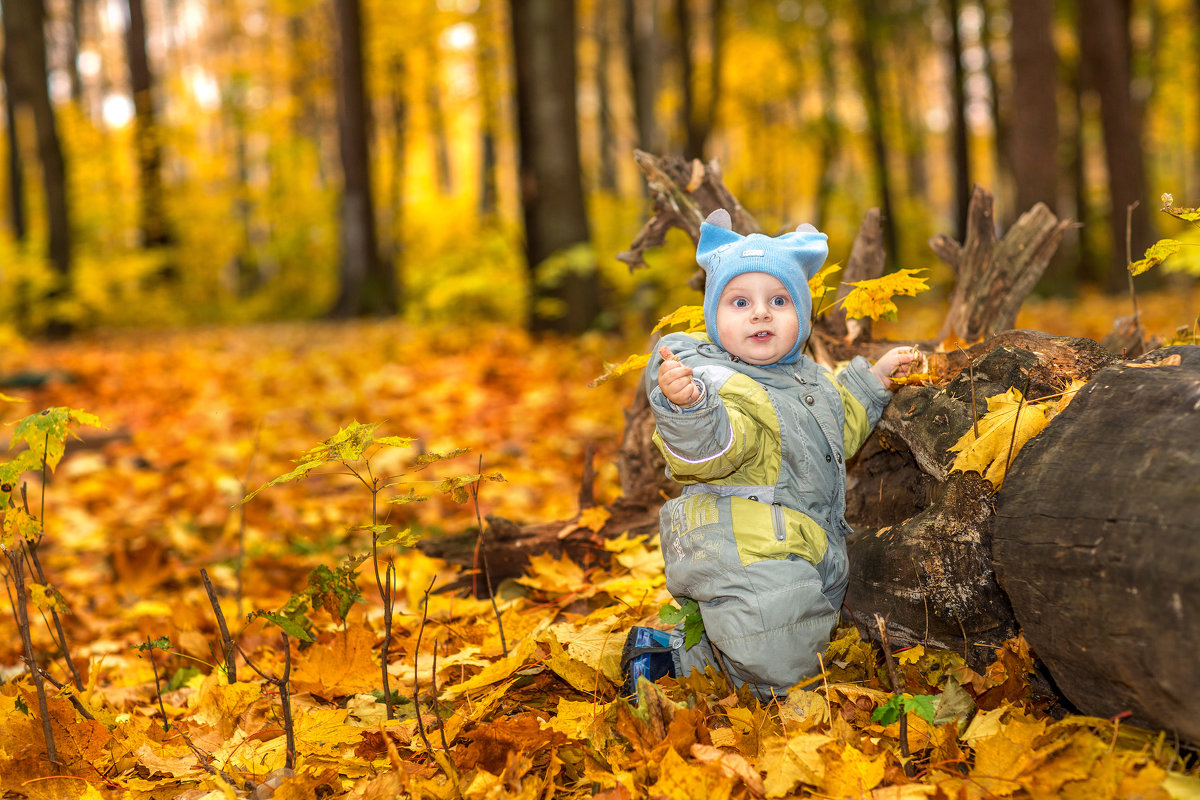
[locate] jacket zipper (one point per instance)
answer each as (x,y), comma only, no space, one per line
(777,522)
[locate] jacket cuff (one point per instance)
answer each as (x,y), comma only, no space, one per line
(863,384)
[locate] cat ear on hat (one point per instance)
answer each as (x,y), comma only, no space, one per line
(808,247)
(715,233)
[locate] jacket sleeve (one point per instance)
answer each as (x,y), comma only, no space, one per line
(704,443)
(863,398)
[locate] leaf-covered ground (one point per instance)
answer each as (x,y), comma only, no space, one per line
(523,706)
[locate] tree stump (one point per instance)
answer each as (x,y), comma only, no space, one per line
(1097,543)
(993,276)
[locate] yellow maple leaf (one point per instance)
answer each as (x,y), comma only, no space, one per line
(495,672)
(591,518)
(552,575)
(793,761)
(1003,431)
(576,719)
(339,665)
(580,675)
(634,363)
(852,772)
(873,298)
(821,293)
(690,317)
(598,645)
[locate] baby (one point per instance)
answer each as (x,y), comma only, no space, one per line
(758,434)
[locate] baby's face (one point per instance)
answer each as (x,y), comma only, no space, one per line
(756,318)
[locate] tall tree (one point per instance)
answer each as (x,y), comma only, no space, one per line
(487,68)
(699,109)
(605,137)
(26,78)
(865,47)
(1034,118)
(1106,49)
(962,151)
(146,136)
(568,299)
(641,26)
(16,172)
(367,283)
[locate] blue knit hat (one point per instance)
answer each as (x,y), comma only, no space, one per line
(793,258)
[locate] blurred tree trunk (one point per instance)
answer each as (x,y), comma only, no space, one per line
(306,121)
(865,47)
(606,144)
(488,69)
(1002,186)
(698,117)
(908,62)
(830,141)
(399,106)
(367,284)
(1105,47)
(568,300)
(1034,140)
(72,57)
(16,173)
(437,113)
(146,139)
(962,152)
(641,21)
(26,79)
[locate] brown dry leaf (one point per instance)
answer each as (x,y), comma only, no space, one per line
(732,764)
(681,780)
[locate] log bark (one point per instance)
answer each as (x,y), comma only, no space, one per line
(921,552)
(1097,543)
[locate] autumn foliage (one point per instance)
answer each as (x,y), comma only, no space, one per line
(516,695)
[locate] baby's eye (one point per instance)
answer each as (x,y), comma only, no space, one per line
(741,302)
(779,300)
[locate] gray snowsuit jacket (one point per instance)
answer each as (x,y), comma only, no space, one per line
(757,537)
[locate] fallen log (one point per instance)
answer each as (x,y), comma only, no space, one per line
(1096,541)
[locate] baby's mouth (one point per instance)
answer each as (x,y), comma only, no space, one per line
(762,335)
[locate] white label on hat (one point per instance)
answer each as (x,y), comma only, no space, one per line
(748,253)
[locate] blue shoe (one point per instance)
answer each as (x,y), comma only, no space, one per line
(647,654)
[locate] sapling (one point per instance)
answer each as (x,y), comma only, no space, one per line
(351,449)
(45,435)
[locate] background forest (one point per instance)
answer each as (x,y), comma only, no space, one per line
(184,161)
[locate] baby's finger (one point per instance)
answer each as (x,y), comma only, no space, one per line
(666,353)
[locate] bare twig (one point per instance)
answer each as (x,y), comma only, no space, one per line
(389,589)
(241,550)
(285,695)
(897,688)
(226,641)
(971,375)
(1137,322)
(1016,421)
(74,698)
(587,483)
(434,688)
(481,556)
(17,598)
(35,562)
(416,669)
(157,685)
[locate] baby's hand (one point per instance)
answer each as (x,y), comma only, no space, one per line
(675,379)
(897,362)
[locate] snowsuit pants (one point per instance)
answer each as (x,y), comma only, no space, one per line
(769,619)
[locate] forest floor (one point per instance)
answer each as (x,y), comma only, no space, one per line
(517,700)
